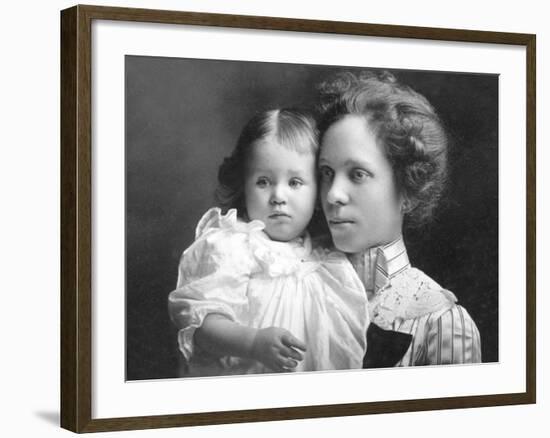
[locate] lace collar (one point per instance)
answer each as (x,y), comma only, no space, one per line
(396,291)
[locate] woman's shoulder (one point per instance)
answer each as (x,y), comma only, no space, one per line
(455,316)
(455,334)
(414,282)
(412,294)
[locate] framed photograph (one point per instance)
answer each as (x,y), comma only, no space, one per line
(269,218)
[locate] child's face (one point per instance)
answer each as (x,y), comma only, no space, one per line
(280,189)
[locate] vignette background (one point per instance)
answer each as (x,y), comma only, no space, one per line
(184,115)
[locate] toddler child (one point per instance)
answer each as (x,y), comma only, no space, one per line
(253,295)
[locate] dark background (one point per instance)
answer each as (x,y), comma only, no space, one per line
(183,116)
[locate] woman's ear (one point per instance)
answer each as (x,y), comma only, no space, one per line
(407,205)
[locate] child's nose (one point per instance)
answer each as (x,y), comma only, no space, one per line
(278,195)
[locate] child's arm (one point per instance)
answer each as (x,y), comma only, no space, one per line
(273,346)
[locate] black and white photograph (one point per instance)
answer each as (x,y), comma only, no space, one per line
(285,218)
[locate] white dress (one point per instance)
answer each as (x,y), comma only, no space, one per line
(234,269)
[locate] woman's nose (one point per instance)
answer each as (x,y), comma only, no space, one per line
(337,194)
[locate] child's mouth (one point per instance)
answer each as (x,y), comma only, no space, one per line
(278,215)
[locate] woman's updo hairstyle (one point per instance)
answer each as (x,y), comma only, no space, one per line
(405,124)
(288,127)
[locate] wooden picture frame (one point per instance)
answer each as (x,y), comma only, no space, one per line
(76,217)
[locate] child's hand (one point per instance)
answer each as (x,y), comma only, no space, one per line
(276,348)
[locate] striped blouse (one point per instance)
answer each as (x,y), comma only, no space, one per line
(404,299)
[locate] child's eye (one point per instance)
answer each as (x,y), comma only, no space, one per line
(295,183)
(326,173)
(359,175)
(262,182)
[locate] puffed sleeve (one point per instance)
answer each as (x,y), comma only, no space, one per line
(452,338)
(213,275)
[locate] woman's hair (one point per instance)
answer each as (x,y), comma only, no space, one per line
(290,128)
(405,124)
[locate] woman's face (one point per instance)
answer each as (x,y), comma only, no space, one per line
(360,199)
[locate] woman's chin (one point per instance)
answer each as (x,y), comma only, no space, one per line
(346,244)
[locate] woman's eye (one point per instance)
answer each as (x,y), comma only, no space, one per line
(326,173)
(262,182)
(359,175)
(295,183)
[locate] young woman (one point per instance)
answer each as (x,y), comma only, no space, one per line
(383,163)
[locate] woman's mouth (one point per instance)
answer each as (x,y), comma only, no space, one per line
(340,222)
